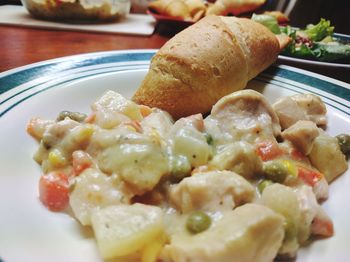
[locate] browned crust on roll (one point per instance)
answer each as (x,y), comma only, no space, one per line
(283,40)
(235,7)
(214,57)
(281,17)
(259,43)
(194,69)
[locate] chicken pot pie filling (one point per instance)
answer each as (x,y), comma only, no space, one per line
(242,184)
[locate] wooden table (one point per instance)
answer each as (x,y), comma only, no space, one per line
(22,46)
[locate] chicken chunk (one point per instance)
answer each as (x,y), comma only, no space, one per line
(243,115)
(288,112)
(308,208)
(55,133)
(310,214)
(321,189)
(195,121)
(211,191)
(112,109)
(304,216)
(159,121)
(249,233)
(300,107)
(302,135)
(313,107)
(36,127)
(322,225)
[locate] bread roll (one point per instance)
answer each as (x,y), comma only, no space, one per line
(208,60)
(281,17)
(173,8)
(234,7)
(191,10)
(197,9)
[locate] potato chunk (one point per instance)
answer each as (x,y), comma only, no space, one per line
(327,157)
(239,157)
(284,201)
(141,165)
(249,233)
(125,229)
(94,190)
(191,143)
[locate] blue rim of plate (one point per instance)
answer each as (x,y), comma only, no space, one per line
(341,37)
(30,78)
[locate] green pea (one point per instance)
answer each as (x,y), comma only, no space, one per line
(48,140)
(209,138)
(275,171)
(180,168)
(263,184)
(344,143)
(290,230)
(197,222)
(76,116)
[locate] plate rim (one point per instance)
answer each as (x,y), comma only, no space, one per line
(90,55)
(53,66)
(312,62)
(64,58)
(72,61)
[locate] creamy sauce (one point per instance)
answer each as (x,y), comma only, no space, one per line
(126,161)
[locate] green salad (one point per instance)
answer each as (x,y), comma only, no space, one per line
(316,42)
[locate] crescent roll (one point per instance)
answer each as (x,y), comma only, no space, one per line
(185,9)
(235,7)
(208,60)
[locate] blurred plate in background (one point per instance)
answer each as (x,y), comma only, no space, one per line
(170,20)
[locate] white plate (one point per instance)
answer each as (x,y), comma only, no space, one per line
(308,62)
(284,59)
(29,232)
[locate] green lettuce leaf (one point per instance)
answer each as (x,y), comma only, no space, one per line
(302,51)
(324,47)
(319,31)
(320,52)
(331,52)
(269,21)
